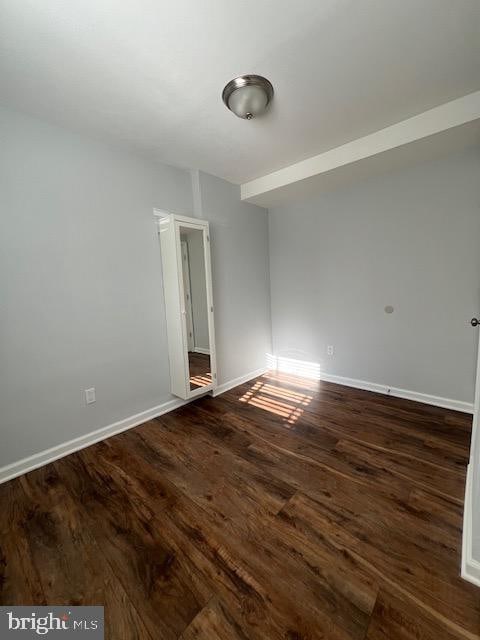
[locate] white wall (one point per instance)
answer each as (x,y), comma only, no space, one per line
(409,239)
(241,288)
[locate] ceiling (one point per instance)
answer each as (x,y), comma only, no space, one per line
(149,73)
(428,149)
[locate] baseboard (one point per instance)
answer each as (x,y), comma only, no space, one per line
(54,453)
(312,370)
(206,352)
(437,401)
(226,386)
(42,458)
(470,566)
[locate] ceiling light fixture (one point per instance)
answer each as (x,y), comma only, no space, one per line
(248,96)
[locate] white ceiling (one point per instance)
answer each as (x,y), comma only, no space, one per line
(445,124)
(149,73)
(410,155)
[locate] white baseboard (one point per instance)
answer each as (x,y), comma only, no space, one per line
(437,401)
(226,386)
(54,453)
(470,566)
(206,352)
(42,458)
(312,370)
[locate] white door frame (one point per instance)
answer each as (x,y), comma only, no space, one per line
(169,226)
(192,223)
(470,565)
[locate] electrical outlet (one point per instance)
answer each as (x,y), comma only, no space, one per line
(330,350)
(90,395)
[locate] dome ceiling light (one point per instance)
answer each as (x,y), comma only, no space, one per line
(248,96)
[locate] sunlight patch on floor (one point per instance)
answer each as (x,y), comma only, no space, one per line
(277,400)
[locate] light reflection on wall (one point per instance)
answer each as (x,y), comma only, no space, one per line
(295,367)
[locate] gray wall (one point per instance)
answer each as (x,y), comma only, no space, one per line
(410,239)
(241,288)
(81,300)
(80,281)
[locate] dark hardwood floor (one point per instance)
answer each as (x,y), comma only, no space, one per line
(283,509)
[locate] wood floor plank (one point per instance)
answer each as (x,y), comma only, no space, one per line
(223,481)
(343,463)
(352,457)
(202,537)
(438,480)
(427,569)
(343,418)
(439,514)
(128,532)
(399,618)
(19,577)
(281,589)
(284,509)
(262,548)
(214,623)
(69,566)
